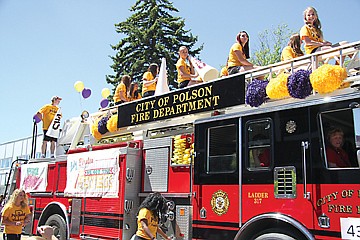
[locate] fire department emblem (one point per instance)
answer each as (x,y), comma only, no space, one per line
(220,202)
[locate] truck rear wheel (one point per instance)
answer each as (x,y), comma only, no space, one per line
(59,225)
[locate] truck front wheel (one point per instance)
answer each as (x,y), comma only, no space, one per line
(59,225)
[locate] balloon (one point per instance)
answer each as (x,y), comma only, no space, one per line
(86,92)
(105,92)
(104,103)
(36,118)
(79,86)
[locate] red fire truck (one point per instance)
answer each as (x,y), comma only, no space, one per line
(228,170)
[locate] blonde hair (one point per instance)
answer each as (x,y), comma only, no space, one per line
(316,23)
(14,195)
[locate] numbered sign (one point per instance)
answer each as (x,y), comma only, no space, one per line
(350,228)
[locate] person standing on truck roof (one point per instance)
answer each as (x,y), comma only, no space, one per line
(15,214)
(149,213)
(47,114)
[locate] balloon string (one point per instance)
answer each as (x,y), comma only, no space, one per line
(81,105)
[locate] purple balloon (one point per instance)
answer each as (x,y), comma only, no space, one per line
(36,118)
(104,103)
(86,92)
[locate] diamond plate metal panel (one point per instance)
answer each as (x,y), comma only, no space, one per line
(157,142)
(156,170)
(184,220)
(132,189)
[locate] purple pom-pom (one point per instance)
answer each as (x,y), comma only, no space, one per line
(102,125)
(299,85)
(256,92)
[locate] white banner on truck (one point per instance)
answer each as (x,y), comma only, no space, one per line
(93,174)
(33,177)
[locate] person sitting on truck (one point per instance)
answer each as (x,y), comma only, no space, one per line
(148,216)
(150,78)
(15,214)
(121,91)
(336,156)
(185,69)
(293,49)
(134,93)
(238,55)
(261,153)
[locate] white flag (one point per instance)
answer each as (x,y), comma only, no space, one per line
(54,128)
(162,85)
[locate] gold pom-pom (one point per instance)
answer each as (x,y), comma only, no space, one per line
(327,78)
(95,131)
(112,123)
(277,87)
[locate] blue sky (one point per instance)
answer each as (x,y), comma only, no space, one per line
(46,46)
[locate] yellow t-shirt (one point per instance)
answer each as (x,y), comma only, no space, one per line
(14,214)
(144,213)
(224,72)
(233,60)
(120,88)
(311,33)
(132,98)
(288,53)
(48,112)
(148,77)
(179,63)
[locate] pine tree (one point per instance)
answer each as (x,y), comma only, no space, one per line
(151,33)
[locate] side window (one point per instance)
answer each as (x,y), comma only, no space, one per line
(222,149)
(259,141)
(338,137)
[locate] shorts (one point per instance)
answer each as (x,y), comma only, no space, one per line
(49,139)
(234,69)
(314,50)
(149,93)
(184,83)
(11,236)
(139,238)
(119,102)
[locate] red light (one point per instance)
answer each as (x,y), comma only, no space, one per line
(216,113)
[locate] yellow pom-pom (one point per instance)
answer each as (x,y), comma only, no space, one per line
(95,131)
(112,123)
(277,87)
(327,78)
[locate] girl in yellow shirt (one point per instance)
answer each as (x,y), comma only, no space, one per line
(185,71)
(121,92)
(150,79)
(134,91)
(149,213)
(311,32)
(293,49)
(238,55)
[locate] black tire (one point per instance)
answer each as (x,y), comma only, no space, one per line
(59,225)
(274,236)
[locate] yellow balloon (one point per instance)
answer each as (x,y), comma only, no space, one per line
(79,86)
(105,92)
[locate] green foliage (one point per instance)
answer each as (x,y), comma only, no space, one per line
(150,34)
(271,44)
